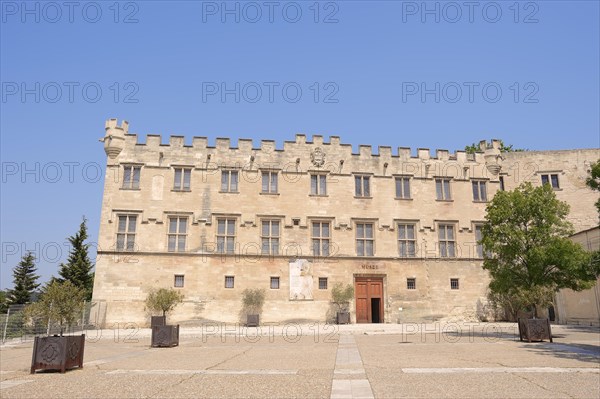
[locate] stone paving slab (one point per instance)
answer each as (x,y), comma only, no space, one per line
(371,361)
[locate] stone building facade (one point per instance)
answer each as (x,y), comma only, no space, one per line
(400,226)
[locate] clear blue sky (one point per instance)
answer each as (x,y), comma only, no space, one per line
(371,61)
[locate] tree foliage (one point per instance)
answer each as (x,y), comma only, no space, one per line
(78,269)
(163,300)
(473,148)
(253,300)
(342,295)
(61,304)
(525,234)
(3,302)
(25,281)
(593,181)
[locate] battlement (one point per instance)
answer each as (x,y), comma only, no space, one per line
(153,142)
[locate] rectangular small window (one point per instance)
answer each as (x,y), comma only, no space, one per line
(320,238)
(225,236)
(177,234)
(362,186)
(131,177)
(502,183)
(274,283)
(318,184)
(454,284)
(551,179)
(442,189)
(403,187)
(411,283)
(269,182)
(478,237)
(479,191)
(364,239)
(447,241)
(406,240)
(270,237)
(182,179)
(179,280)
(229,181)
(322,283)
(126,233)
(229,281)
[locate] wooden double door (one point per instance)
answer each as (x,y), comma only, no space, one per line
(369,299)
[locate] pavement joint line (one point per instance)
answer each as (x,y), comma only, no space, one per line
(454,370)
(13,383)
(203,372)
(348,356)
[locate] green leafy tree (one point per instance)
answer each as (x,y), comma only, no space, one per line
(61,304)
(79,268)
(163,300)
(3,301)
(593,181)
(342,295)
(473,148)
(528,254)
(253,300)
(25,281)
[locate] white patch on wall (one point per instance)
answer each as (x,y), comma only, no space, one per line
(301,280)
(158,182)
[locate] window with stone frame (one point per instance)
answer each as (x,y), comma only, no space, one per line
(362,186)
(411,283)
(177,235)
(269,182)
(226,235)
(454,284)
(322,283)
(274,283)
(447,241)
(229,281)
(318,184)
(365,241)
(179,280)
(321,236)
(478,237)
(270,237)
(552,179)
(182,179)
(479,190)
(131,177)
(406,240)
(403,187)
(126,231)
(229,181)
(442,189)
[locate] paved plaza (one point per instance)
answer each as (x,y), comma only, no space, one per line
(437,360)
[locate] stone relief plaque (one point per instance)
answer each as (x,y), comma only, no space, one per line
(317,157)
(301,280)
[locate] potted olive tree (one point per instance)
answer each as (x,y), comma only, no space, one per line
(164,300)
(60,306)
(341,296)
(252,303)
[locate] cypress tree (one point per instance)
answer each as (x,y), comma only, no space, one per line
(78,269)
(25,281)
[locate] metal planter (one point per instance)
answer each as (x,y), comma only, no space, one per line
(534,330)
(165,336)
(57,353)
(252,320)
(343,318)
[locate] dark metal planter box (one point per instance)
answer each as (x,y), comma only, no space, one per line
(165,336)
(57,353)
(252,320)
(343,317)
(534,330)
(158,321)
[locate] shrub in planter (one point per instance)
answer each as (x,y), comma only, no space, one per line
(252,303)
(61,305)
(341,296)
(163,300)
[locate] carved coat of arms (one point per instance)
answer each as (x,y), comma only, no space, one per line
(317,157)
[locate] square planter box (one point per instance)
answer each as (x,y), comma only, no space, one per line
(534,330)
(343,318)
(252,320)
(165,336)
(158,321)
(57,353)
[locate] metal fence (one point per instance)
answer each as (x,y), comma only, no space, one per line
(16,325)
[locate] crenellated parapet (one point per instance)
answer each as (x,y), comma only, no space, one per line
(299,155)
